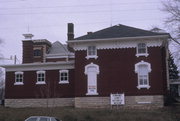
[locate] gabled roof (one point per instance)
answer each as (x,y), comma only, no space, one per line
(118,31)
(58,48)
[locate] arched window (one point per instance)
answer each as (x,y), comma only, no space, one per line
(91,70)
(143,69)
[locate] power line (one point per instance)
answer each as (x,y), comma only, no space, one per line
(80,12)
(85,5)
(84,23)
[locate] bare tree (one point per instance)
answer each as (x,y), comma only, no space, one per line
(172,22)
(172,8)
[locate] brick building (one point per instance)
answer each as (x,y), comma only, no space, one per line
(85,72)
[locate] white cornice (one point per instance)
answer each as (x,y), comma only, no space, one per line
(60,55)
(40,66)
(116,44)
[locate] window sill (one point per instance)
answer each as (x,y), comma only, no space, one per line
(93,56)
(40,82)
(142,54)
(92,94)
(64,82)
(18,83)
(143,86)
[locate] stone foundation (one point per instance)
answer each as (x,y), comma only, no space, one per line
(130,101)
(51,102)
(88,102)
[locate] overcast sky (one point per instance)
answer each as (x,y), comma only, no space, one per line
(47,19)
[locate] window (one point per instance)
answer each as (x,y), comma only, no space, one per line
(18,78)
(37,52)
(91,70)
(142,69)
(91,52)
(142,50)
(32,119)
(44,119)
(41,77)
(64,76)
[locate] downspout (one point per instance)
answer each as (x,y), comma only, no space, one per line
(167,65)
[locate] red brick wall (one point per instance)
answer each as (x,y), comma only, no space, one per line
(117,73)
(27,51)
(30,89)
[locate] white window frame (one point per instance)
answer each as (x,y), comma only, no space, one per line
(95,52)
(17,78)
(137,71)
(141,54)
(41,72)
(63,81)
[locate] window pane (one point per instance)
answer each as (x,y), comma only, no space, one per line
(141,81)
(44,119)
(145,81)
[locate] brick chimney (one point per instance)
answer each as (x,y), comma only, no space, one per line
(27,48)
(70,35)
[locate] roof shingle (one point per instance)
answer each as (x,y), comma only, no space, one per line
(118,31)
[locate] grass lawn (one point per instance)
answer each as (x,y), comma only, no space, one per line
(74,114)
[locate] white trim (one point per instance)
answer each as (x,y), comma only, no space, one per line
(40,66)
(63,81)
(41,72)
(143,63)
(92,93)
(115,44)
(136,71)
(18,83)
(60,55)
(19,72)
(141,54)
(89,65)
(91,56)
(143,86)
(39,83)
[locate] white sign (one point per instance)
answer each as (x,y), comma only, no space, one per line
(117,99)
